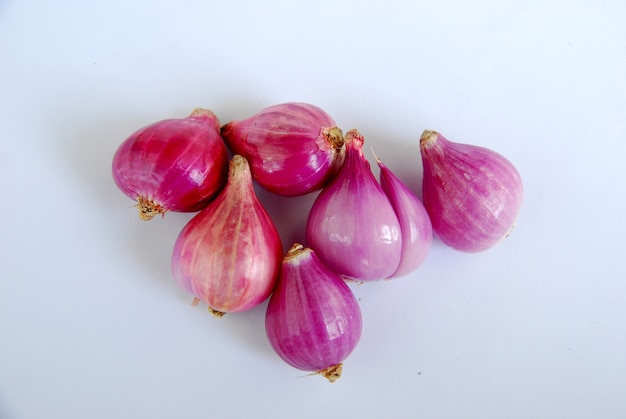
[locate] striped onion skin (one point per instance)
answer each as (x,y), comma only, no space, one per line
(415,226)
(313,321)
(472,194)
(173,164)
(293,148)
(352,226)
(228,255)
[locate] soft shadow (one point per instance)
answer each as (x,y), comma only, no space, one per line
(86,154)
(247,327)
(85,151)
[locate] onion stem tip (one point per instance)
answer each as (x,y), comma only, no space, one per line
(355,136)
(203,112)
(295,250)
(428,137)
(334,136)
(376,157)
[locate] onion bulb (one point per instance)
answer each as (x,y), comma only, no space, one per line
(229,254)
(352,226)
(293,148)
(472,194)
(415,226)
(173,165)
(313,320)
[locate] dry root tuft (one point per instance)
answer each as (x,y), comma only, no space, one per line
(332,373)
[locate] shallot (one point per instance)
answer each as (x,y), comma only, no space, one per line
(415,225)
(352,226)
(173,165)
(472,194)
(313,321)
(229,254)
(293,148)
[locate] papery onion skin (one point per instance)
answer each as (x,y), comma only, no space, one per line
(229,254)
(173,164)
(293,148)
(415,225)
(352,226)
(313,321)
(472,194)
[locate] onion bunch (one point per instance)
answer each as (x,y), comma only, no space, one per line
(230,255)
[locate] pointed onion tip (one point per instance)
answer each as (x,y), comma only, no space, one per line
(295,250)
(355,136)
(203,112)
(428,138)
(378,161)
(239,160)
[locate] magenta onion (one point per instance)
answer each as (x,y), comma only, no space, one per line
(415,226)
(352,226)
(229,254)
(293,148)
(472,194)
(172,165)
(313,320)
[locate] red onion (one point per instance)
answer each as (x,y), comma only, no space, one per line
(173,165)
(472,194)
(313,320)
(293,148)
(415,226)
(352,226)
(229,254)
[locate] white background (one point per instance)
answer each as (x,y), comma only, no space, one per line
(92,324)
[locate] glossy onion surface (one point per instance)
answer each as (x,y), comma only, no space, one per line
(313,320)
(352,226)
(229,254)
(293,148)
(472,194)
(173,165)
(415,225)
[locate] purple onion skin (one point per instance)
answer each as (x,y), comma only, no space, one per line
(229,254)
(313,320)
(173,165)
(415,225)
(293,148)
(352,226)
(472,194)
